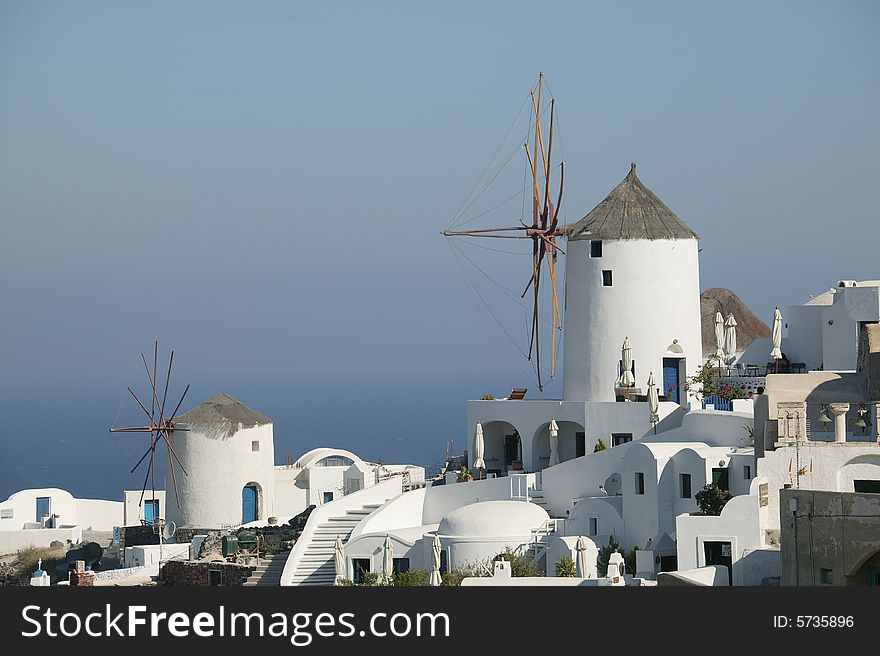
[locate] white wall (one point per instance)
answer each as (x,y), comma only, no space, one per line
(834,467)
(654,299)
(133,510)
(148,554)
(98,514)
(291,491)
(740,523)
(12,541)
(218,469)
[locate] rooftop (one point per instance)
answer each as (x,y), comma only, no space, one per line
(630,211)
(224,414)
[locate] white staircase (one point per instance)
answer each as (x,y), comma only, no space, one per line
(268,572)
(317,565)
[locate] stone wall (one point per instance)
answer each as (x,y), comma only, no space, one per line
(133,536)
(82,579)
(180,573)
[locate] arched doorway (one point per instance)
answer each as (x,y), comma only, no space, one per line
(502,447)
(250,503)
(572,443)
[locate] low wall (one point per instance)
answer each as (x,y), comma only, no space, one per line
(126,572)
(12,541)
(183,573)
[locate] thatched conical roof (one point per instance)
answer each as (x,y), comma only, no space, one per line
(630,211)
(223,415)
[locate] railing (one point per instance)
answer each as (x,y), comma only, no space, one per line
(718,402)
(519,487)
(537,543)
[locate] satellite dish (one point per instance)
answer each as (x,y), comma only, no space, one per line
(612,484)
(170,530)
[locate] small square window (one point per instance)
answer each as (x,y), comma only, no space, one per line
(620,438)
(640,483)
(328,497)
(826,576)
(596,248)
(255,445)
(747,472)
(606,278)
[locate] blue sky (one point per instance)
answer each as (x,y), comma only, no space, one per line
(261,186)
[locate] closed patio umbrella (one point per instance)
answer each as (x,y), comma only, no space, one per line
(436,550)
(719,337)
(581,562)
(554,443)
(387,559)
(626,376)
(479,447)
(339,557)
(730,338)
(653,401)
(776,353)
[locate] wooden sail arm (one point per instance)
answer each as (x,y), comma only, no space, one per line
(535,192)
(555,222)
(547,165)
(458,233)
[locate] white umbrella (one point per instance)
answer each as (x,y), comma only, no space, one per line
(478,449)
(581,548)
(776,353)
(626,376)
(436,549)
(653,401)
(387,559)
(339,558)
(554,443)
(719,337)
(730,338)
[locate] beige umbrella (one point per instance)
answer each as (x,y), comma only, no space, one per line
(554,443)
(776,353)
(387,559)
(730,338)
(339,559)
(653,401)
(719,337)
(626,376)
(479,447)
(436,550)
(581,563)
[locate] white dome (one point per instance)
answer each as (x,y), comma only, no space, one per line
(493,519)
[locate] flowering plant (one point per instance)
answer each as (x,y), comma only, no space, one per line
(707,382)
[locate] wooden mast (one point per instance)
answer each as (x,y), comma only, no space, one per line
(543,231)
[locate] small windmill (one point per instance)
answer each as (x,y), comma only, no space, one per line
(160,428)
(543,229)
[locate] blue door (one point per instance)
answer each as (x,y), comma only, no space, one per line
(248,504)
(670,378)
(151,511)
(44,506)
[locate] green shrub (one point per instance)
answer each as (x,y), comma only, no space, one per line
(712,499)
(566,567)
(455,576)
(600,446)
(488,397)
(519,565)
(412,578)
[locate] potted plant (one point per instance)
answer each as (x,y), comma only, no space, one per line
(465,475)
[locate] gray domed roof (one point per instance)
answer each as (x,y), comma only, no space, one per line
(630,211)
